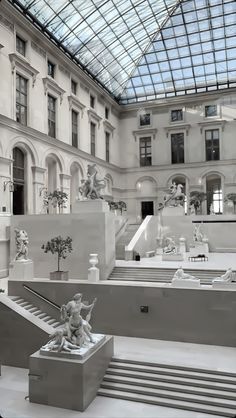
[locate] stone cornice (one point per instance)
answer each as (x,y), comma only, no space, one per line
(176,127)
(212,122)
(144,131)
(107,125)
(20,63)
(92,115)
(75,103)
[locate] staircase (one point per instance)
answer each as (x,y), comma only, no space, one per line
(34,310)
(200,390)
(160,275)
(124,240)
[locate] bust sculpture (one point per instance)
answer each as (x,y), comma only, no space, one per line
(76,331)
(91,186)
(22,242)
(227,277)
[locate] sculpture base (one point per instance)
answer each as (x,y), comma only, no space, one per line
(59,275)
(172,257)
(79,354)
(173,211)
(21,270)
(224,285)
(93,274)
(199,248)
(68,383)
(189,283)
(88,206)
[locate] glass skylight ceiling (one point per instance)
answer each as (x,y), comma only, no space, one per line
(144,49)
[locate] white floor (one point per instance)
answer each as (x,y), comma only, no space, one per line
(14,382)
(218,261)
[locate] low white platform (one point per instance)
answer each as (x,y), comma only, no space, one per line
(186,283)
(172,257)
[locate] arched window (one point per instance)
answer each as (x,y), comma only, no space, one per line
(214,194)
(19,181)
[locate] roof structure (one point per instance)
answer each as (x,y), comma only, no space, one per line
(141,50)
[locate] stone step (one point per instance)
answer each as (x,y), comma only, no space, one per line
(170,394)
(215,392)
(172,379)
(171,403)
(162,370)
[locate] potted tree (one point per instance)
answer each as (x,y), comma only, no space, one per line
(230,200)
(62,247)
(121,206)
(58,199)
(196,199)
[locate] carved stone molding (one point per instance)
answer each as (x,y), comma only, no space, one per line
(51,85)
(141,132)
(212,123)
(39,50)
(5,22)
(108,126)
(178,127)
(20,63)
(75,103)
(92,116)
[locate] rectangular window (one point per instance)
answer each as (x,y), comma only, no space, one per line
(51,116)
(93,138)
(51,69)
(177,148)
(92,101)
(145,119)
(212,139)
(176,115)
(107,147)
(106,112)
(20,45)
(210,110)
(145,151)
(73,87)
(21,99)
(74,116)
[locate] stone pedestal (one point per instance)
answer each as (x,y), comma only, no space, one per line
(93,274)
(88,206)
(172,257)
(68,383)
(173,211)
(182,245)
(21,270)
(224,285)
(186,283)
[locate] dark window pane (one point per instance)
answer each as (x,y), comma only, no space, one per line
(212,145)
(106,113)
(177,148)
(51,116)
(21,99)
(51,69)
(73,87)
(107,147)
(176,115)
(145,151)
(92,101)
(20,45)
(93,138)
(210,110)
(74,116)
(145,119)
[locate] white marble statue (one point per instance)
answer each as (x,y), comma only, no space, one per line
(22,242)
(174,196)
(192,210)
(76,331)
(227,277)
(170,248)
(197,234)
(212,209)
(90,187)
(180,274)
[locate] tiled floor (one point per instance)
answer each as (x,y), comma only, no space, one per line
(14,382)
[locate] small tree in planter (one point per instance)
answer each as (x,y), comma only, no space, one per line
(231,197)
(58,199)
(121,206)
(196,199)
(62,247)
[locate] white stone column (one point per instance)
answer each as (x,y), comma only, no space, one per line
(38,185)
(65,187)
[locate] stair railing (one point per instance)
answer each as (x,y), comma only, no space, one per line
(41,297)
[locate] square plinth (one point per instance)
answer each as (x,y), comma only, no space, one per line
(68,383)
(21,270)
(172,257)
(88,206)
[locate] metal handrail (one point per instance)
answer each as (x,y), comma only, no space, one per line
(41,297)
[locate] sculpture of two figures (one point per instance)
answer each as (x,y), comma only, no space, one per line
(76,331)
(90,187)
(227,277)
(174,196)
(170,248)
(22,243)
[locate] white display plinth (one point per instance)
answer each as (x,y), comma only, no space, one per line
(199,248)
(93,274)
(189,283)
(88,206)
(182,245)
(223,285)
(172,257)
(21,270)
(173,211)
